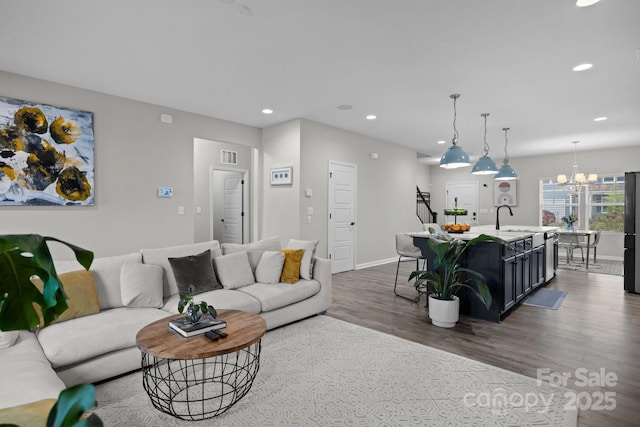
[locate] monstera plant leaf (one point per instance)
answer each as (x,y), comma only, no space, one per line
(23,256)
(70,407)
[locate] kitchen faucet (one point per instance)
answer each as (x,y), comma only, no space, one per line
(498,214)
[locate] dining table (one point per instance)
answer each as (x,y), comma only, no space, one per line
(586,236)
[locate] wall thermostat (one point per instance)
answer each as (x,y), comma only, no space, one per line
(165,192)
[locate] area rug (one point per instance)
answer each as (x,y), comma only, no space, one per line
(546,298)
(605,266)
(326,372)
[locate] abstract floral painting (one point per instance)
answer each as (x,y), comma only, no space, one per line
(46,155)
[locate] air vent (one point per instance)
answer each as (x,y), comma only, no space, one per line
(228,157)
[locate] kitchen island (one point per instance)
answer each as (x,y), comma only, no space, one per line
(524,259)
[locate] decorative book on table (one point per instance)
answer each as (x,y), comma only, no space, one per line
(187,329)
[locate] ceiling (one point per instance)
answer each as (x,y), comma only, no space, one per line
(397,59)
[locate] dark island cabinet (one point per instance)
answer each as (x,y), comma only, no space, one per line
(512,270)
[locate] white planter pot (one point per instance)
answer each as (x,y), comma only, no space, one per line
(444,313)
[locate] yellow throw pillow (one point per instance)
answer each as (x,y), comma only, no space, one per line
(291,268)
(29,414)
(82,295)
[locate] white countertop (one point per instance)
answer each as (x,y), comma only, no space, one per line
(508,233)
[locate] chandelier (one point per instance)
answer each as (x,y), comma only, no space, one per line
(454,157)
(576,177)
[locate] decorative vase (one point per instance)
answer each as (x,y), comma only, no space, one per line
(444,313)
(570,227)
(192,314)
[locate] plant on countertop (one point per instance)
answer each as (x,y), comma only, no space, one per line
(23,256)
(195,309)
(570,220)
(446,277)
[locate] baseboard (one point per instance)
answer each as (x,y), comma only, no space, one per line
(376,263)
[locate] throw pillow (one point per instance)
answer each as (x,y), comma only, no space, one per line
(254,249)
(141,285)
(291,268)
(270,266)
(82,295)
(196,270)
(308,259)
(234,270)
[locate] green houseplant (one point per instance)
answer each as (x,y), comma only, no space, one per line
(195,309)
(23,256)
(447,276)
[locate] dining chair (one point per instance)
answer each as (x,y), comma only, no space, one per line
(594,244)
(407,251)
(569,241)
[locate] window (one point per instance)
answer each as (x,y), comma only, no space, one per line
(597,206)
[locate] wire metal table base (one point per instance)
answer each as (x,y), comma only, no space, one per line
(200,388)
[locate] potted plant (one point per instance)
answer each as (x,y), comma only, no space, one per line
(447,276)
(21,257)
(195,310)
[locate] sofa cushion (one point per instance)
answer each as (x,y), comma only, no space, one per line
(254,249)
(82,295)
(306,265)
(221,298)
(86,337)
(26,373)
(270,267)
(106,274)
(291,268)
(196,270)
(161,257)
(141,285)
(281,294)
(234,270)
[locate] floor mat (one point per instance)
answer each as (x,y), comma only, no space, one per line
(546,298)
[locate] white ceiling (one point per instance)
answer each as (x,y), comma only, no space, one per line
(397,59)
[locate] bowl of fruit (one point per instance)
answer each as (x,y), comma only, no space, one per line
(456,228)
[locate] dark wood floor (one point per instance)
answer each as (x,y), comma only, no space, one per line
(597,327)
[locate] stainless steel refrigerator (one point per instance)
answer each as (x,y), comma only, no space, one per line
(631,231)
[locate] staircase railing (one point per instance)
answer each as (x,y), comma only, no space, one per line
(423,208)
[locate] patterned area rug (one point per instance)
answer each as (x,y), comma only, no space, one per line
(326,372)
(605,266)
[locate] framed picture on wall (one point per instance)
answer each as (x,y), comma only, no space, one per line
(282,176)
(505,193)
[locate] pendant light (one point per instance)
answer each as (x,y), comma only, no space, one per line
(576,177)
(506,172)
(485,165)
(454,157)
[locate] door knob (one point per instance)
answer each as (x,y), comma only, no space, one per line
(353,223)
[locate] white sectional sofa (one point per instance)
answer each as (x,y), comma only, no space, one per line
(134,290)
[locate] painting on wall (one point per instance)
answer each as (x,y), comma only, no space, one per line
(46,155)
(504,193)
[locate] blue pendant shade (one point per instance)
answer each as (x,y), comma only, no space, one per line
(454,157)
(485,166)
(506,173)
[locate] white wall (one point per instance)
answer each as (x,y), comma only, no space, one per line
(281,203)
(135,154)
(207,156)
(530,171)
(386,188)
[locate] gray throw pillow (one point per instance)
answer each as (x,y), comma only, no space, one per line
(196,270)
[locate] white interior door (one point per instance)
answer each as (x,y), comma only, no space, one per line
(342,216)
(228,206)
(466,194)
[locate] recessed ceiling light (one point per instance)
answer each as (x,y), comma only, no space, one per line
(371,117)
(442,141)
(267,111)
(600,119)
(582,67)
(585,3)
(344,107)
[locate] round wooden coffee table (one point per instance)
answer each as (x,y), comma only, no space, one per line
(196,378)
